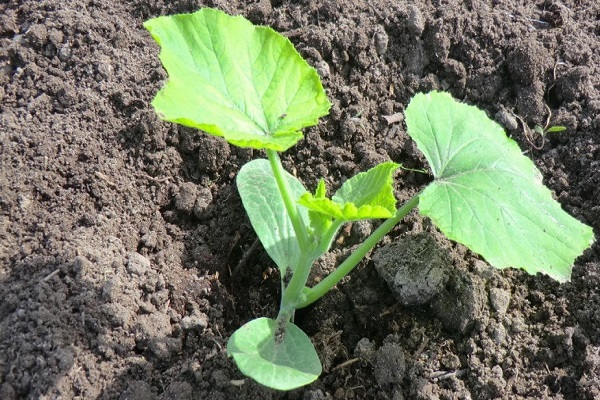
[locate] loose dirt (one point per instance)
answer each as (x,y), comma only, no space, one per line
(126,259)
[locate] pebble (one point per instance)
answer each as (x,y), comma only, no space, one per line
(415,268)
(111,290)
(137,264)
(186,198)
(365,350)
(390,364)
(322,69)
(416,22)
(177,390)
(164,348)
(381,39)
(195,322)
(499,335)
(81,266)
(507,120)
(203,201)
(500,300)
(138,390)
(461,303)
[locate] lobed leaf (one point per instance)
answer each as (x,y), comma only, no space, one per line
(487,194)
(232,79)
(366,195)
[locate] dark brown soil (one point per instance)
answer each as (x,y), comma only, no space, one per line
(120,234)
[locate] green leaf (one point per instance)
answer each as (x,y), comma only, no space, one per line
(367,195)
(487,195)
(281,358)
(265,208)
(319,222)
(556,128)
(232,79)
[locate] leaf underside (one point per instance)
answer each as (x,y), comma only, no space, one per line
(487,194)
(281,358)
(232,79)
(265,208)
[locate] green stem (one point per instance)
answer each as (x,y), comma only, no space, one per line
(328,237)
(316,292)
(290,205)
(291,294)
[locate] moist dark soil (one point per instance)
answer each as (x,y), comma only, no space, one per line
(126,259)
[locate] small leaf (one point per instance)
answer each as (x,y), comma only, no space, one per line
(232,79)
(265,208)
(367,195)
(487,194)
(539,130)
(320,222)
(556,128)
(279,357)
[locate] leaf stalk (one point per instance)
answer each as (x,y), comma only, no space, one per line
(313,294)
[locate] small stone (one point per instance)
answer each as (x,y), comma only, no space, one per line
(500,300)
(118,315)
(195,322)
(203,201)
(104,67)
(221,379)
(64,52)
(484,270)
(7,392)
(314,395)
(390,364)
(138,390)
(166,347)
(415,268)
(574,84)
(81,266)
(499,335)
(461,303)
(177,390)
(55,36)
(416,23)
(150,240)
(322,68)
(365,350)
(111,290)
(186,198)
(360,231)
(37,35)
(381,40)
(507,120)
(137,264)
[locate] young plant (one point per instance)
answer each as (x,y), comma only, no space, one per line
(248,85)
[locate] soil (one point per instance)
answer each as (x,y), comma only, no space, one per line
(126,259)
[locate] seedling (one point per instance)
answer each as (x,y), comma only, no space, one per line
(248,85)
(541,131)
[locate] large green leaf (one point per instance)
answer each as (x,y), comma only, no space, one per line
(366,195)
(232,79)
(266,210)
(280,357)
(487,194)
